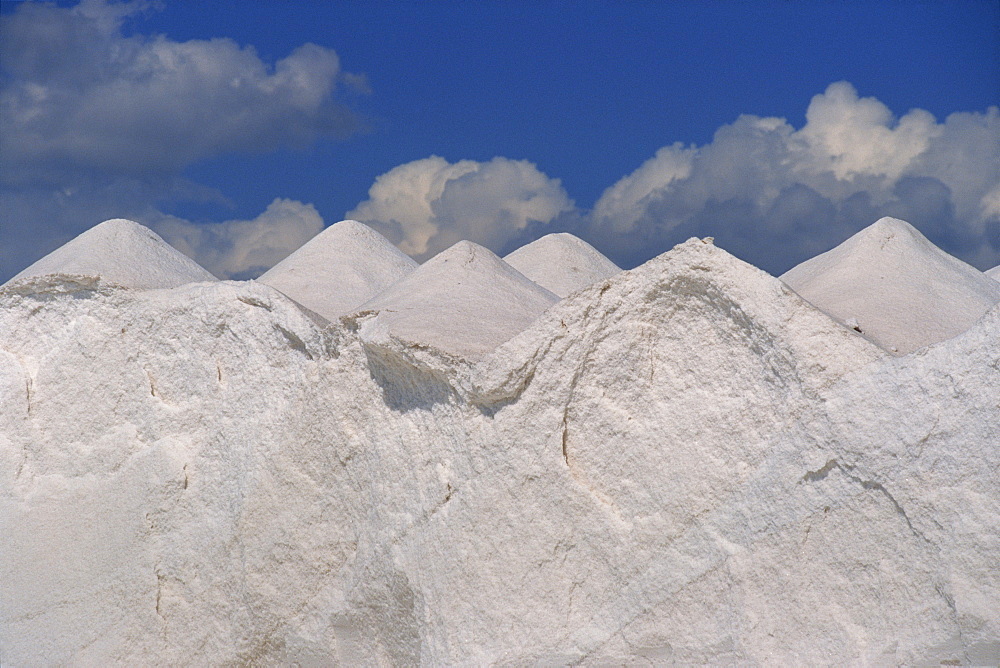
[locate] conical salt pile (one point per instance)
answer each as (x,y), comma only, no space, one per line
(465,301)
(562,263)
(896,287)
(121,252)
(687,463)
(339,269)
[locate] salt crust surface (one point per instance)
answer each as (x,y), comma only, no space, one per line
(464,301)
(684,463)
(119,252)
(897,287)
(562,263)
(339,269)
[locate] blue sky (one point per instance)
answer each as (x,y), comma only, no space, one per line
(237,130)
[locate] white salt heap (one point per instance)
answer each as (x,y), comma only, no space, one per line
(686,463)
(119,252)
(339,269)
(994,273)
(896,287)
(465,301)
(562,263)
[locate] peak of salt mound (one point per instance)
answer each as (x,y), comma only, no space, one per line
(994,273)
(690,295)
(121,252)
(562,263)
(465,301)
(895,286)
(339,269)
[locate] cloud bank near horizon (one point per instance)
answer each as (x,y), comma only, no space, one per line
(427,205)
(769,193)
(99,123)
(242,249)
(776,195)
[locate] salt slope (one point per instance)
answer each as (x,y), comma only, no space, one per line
(897,287)
(162,537)
(464,301)
(702,407)
(994,273)
(562,263)
(339,269)
(686,463)
(121,252)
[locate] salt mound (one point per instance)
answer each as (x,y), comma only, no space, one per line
(685,464)
(994,273)
(895,286)
(121,252)
(562,263)
(465,301)
(339,269)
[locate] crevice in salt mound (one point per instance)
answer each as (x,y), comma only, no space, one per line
(339,269)
(889,282)
(406,384)
(119,252)
(562,263)
(848,471)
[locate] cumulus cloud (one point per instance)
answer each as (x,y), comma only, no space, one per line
(852,136)
(79,96)
(776,195)
(242,249)
(427,205)
(98,123)
(623,203)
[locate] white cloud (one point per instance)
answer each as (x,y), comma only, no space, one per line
(990,204)
(852,136)
(624,202)
(80,96)
(427,205)
(243,249)
(965,156)
(776,195)
(97,124)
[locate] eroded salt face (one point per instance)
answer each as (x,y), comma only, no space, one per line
(562,263)
(684,463)
(339,269)
(896,287)
(119,252)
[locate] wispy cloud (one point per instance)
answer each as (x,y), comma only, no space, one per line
(78,95)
